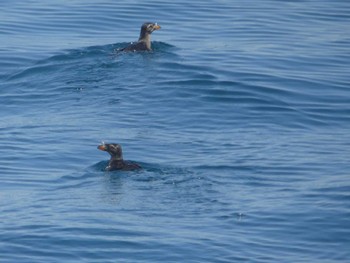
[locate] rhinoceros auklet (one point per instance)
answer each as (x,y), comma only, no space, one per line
(116,162)
(144,42)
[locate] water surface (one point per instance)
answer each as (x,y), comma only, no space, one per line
(240,118)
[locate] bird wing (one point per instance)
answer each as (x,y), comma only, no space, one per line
(138,46)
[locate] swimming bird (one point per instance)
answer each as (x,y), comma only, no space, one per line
(116,162)
(144,42)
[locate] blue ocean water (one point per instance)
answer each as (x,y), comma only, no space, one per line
(240,118)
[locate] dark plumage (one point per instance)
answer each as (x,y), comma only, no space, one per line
(116,162)
(144,42)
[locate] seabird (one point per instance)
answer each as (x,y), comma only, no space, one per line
(116,162)
(144,42)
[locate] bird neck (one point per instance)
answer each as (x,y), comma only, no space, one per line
(145,37)
(116,158)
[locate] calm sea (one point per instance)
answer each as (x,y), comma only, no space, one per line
(240,118)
